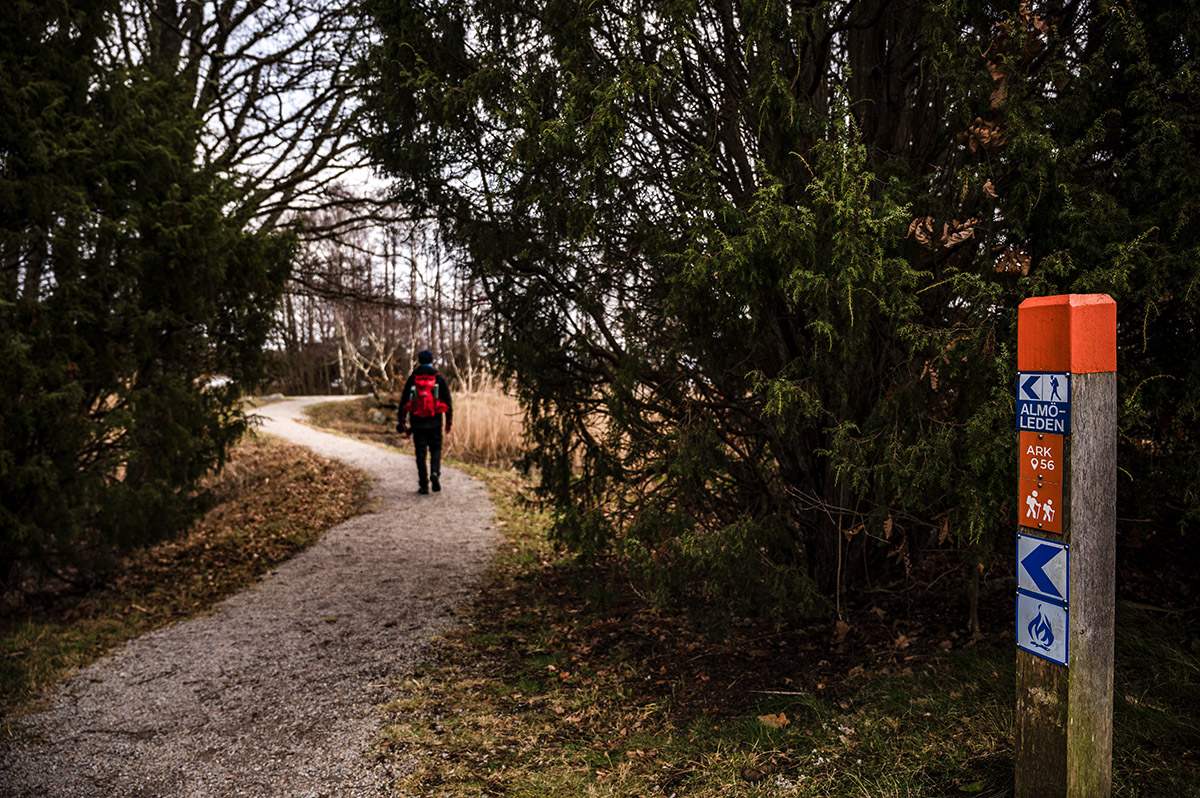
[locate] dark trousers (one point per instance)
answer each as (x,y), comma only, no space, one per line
(428,440)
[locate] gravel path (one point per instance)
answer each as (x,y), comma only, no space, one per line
(275,692)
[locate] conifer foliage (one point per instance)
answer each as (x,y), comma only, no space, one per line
(124,287)
(756,263)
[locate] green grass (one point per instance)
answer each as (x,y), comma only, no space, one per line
(549,693)
(1156,705)
(565,682)
(597,732)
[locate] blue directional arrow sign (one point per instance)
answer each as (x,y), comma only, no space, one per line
(1043,568)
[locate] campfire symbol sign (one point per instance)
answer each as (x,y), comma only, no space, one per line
(1043,627)
(1041,635)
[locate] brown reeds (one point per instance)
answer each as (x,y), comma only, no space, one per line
(487,429)
(487,425)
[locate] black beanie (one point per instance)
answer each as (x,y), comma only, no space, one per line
(425,356)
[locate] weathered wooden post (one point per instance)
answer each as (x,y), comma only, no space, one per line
(1066,543)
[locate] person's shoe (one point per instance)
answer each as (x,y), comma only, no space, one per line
(435,481)
(423,489)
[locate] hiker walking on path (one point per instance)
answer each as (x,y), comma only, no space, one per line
(424,402)
(276,691)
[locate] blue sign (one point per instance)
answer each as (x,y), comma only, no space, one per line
(1043,568)
(1044,401)
(1043,628)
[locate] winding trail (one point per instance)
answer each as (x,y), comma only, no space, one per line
(274,693)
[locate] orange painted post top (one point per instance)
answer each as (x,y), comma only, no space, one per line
(1068,332)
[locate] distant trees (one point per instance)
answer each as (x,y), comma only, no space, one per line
(756,265)
(272,85)
(361,305)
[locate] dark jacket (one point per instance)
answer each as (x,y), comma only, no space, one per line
(443,394)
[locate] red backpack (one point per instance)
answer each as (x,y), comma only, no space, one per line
(423,402)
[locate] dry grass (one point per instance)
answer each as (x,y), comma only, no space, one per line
(487,426)
(487,429)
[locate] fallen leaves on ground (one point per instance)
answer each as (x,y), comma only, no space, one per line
(272,500)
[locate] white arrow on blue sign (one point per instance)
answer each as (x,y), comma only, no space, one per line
(1043,568)
(1044,401)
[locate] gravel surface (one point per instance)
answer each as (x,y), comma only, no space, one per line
(275,693)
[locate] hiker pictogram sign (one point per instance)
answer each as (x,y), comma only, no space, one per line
(1040,499)
(1044,401)
(1040,504)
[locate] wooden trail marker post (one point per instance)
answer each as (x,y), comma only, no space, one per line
(1066,545)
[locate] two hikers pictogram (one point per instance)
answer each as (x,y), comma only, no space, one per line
(1046,508)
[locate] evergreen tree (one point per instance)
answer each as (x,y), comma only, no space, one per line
(756,264)
(124,286)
